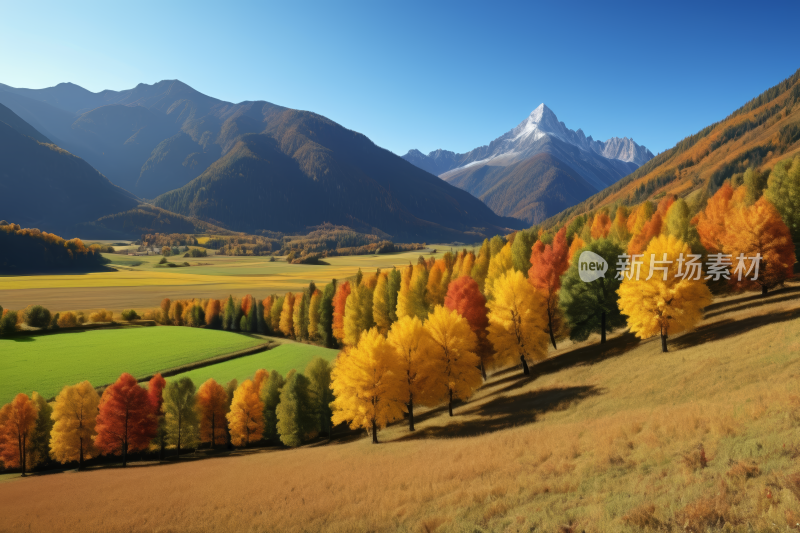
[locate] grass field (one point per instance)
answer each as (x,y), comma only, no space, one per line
(47,363)
(601,439)
(140,285)
(287,356)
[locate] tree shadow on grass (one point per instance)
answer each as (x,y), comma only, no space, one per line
(751,304)
(505,412)
(755,297)
(731,328)
(587,355)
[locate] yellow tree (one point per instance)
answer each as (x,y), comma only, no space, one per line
(412,344)
(404,304)
(74,413)
(499,265)
(313,314)
(481,267)
(246,417)
(380,304)
(518,321)
(358,313)
(670,301)
(452,351)
(437,288)
(367,383)
(287,315)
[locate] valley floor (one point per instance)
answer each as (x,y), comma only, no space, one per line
(619,437)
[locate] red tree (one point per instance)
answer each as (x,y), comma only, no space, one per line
(17,423)
(464,296)
(548,264)
(650,229)
(339,300)
(126,421)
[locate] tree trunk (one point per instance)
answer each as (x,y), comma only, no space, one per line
(80,456)
(374,432)
(525,370)
(550,327)
(450,403)
(411,415)
(21,444)
(763,290)
(124,454)
(603,327)
(483,370)
(663,343)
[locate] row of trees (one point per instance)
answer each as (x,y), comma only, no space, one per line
(81,424)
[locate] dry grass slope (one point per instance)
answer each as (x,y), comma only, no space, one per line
(618,438)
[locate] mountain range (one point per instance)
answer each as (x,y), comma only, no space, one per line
(246,167)
(536,169)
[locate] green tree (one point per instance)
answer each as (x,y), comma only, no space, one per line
(318,372)
(359,277)
(304,315)
(358,314)
(755,181)
(521,250)
(679,225)
(783,190)
(496,244)
(261,326)
(39,443)
(228,314)
(592,307)
(8,323)
(270,396)
(392,290)
(326,315)
(182,418)
(295,412)
(36,316)
(574,227)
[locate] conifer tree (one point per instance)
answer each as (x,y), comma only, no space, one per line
(180,408)
(39,448)
(495,245)
(679,225)
(228,314)
(297,314)
(367,385)
(783,190)
(592,307)
(74,415)
(295,411)
(270,398)
(521,250)
(303,318)
(452,350)
(393,289)
(260,323)
(318,372)
(325,328)
(339,302)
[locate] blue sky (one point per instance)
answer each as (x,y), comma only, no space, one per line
(424,75)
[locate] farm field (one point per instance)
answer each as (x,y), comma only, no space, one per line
(46,363)
(283,358)
(601,438)
(139,284)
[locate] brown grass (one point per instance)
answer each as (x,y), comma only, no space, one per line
(596,442)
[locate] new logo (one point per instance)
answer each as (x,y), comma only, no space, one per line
(591,266)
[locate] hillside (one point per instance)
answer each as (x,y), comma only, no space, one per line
(142,219)
(602,439)
(304,170)
(591,165)
(758,135)
(45,187)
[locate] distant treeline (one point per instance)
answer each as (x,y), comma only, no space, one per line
(31,250)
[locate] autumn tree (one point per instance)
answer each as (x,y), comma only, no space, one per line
(521,250)
(176,313)
(452,349)
(393,290)
(180,406)
(517,321)
(367,385)
(318,372)
(548,264)
(325,328)
(679,225)
(339,302)
(438,278)
(711,222)
(295,412)
(228,314)
(358,313)
(269,394)
(380,303)
(297,317)
(126,421)
(499,265)
(213,309)
(267,307)
(246,416)
(601,225)
(412,345)
(287,315)
(155,393)
(39,446)
(639,218)
(465,297)
(481,268)
(165,306)
(619,228)
(663,302)
(17,425)
(74,416)
(576,246)
(275,314)
(212,402)
(783,190)
(759,230)
(313,314)
(650,230)
(412,300)
(592,307)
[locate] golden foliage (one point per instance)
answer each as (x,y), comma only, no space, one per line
(246,416)
(75,414)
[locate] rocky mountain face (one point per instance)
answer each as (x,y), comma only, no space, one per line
(597,164)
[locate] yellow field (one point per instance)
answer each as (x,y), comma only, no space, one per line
(145,285)
(601,439)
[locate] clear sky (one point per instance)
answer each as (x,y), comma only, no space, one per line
(424,75)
